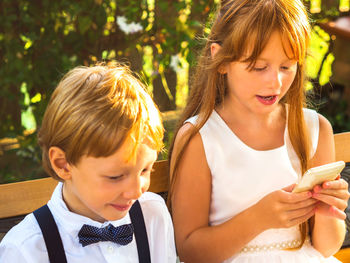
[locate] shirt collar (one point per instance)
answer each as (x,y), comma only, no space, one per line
(72,222)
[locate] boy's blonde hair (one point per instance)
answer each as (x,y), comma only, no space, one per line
(94,110)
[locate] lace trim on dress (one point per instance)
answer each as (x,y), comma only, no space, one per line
(274,246)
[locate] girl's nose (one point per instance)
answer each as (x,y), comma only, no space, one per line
(276,79)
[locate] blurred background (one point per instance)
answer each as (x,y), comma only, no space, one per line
(160,39)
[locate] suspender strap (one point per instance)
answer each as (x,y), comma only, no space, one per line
(140,233)
(51,235)
(54,244)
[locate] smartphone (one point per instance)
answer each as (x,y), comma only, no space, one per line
(318,175)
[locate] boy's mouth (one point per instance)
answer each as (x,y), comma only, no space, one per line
(122,208)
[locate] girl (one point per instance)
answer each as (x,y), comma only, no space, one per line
(245,142)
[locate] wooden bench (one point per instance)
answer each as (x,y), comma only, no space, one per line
(19,199)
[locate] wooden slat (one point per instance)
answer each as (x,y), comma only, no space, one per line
(24,197)
(343,255)
(340,27)
(342,152)
(342,146)
(159,177)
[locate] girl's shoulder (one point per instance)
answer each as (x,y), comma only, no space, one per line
(317,121)
(185,131)
(322,138)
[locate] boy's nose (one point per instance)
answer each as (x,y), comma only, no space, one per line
(137,186)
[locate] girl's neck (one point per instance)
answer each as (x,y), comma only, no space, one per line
(234,114)
(259,131)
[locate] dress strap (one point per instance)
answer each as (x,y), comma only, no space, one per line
(138,222)
(51,235)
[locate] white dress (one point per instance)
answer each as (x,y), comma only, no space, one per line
(233,164)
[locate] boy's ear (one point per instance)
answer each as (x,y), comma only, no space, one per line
(214,48)
(59,162)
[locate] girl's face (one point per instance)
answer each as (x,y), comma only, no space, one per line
(105,188)
(261,89)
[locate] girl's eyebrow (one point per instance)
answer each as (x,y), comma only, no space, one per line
(284,61)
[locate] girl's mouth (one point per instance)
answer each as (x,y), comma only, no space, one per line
(267,100)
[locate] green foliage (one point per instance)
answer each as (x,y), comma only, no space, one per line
(41,40)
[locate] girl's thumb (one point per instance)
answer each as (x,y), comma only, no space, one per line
(289,188)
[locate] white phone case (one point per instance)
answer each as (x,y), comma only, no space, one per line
(318,175)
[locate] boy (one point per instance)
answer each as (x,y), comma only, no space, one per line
(100,136)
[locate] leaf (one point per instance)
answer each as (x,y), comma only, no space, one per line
(84,23)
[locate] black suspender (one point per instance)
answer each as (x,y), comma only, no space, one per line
(53,239)
(138,222)
(51,235)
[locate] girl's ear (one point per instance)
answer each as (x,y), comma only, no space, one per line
(59,162)
(214,48)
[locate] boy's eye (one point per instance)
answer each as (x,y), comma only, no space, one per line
(146,171)
(150,170)
(114,177)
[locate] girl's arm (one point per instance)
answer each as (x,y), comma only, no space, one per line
(196,241)
(328,226)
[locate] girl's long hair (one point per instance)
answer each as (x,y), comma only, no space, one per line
(241,27)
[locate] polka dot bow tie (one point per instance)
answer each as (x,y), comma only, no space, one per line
(121,235)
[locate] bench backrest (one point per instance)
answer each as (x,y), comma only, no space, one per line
(24,197)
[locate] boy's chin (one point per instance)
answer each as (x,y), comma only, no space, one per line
(118,216)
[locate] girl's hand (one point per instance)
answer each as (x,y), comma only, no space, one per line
(283,209)
(334,197)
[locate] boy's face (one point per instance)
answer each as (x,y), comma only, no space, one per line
(105,188)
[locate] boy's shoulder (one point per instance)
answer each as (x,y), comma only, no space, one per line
(21,241)
(153,206)
(23,232)
(157,220)
(150,199)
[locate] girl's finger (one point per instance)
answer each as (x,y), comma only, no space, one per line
(297,213)
(302,204)
(289,188)
(292,198)
(331,200)
(341,194)
(336,184)
(299,220)
(332,211)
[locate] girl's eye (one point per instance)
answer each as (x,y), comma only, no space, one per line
(289,66)
(259,69)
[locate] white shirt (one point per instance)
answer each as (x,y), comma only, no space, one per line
(25,243)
